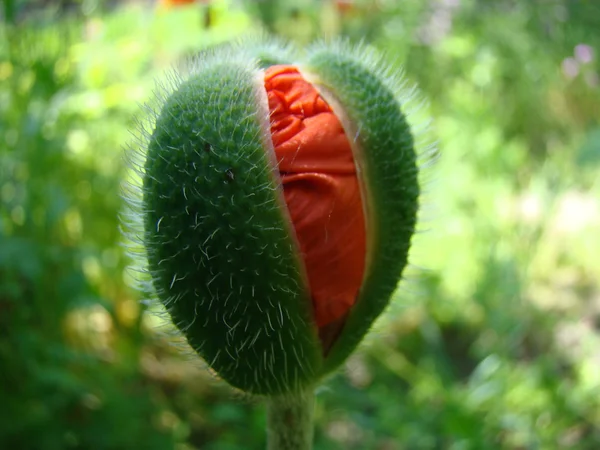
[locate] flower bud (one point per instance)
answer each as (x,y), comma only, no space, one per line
(277,203)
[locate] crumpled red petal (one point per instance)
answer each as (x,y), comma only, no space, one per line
(321,191)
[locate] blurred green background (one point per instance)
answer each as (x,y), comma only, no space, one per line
(493,340)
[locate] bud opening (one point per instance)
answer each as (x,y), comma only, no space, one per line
(322,193)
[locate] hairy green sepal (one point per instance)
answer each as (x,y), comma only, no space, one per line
(384,150)
(220,251)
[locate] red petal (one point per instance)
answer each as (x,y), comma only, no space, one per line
(321,191)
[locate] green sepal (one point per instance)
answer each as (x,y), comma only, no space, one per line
(219,245)
(356,81)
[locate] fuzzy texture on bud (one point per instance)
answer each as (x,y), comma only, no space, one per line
(273,206)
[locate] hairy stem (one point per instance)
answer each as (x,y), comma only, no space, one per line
(290,421)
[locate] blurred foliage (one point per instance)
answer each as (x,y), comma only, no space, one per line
(493,339)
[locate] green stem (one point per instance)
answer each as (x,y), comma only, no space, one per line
(290,421)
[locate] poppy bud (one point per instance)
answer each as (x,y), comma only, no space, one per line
(278,201)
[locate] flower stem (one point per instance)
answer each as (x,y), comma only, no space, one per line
(290,421)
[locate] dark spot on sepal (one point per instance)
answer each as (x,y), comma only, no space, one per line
(229,175)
